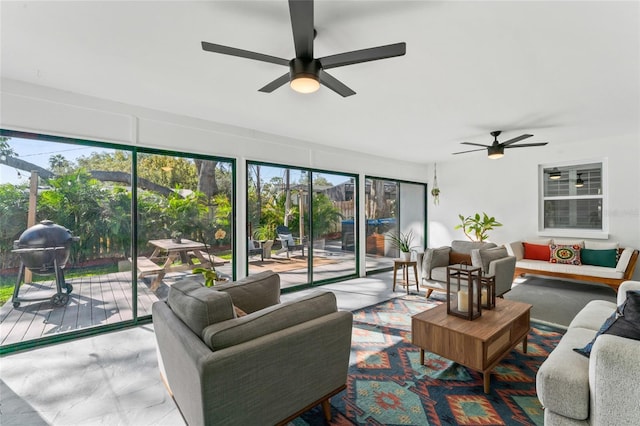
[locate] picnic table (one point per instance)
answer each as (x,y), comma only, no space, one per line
(171,256)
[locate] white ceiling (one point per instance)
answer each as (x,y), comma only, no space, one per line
(564,71)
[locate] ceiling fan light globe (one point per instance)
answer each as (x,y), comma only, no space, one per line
(555,174)
(305,84)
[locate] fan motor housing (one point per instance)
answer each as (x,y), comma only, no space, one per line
(307,68)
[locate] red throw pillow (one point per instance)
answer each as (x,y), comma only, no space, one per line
(536,252)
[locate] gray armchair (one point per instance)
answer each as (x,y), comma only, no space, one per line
(495,261)
(266,367)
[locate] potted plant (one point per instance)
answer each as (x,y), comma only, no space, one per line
(210,275)
(477,225)
(402,241)
(267,235)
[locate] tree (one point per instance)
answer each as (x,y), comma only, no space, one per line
(60,165)
(207,177)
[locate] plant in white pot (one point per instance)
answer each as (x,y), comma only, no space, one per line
(402,241)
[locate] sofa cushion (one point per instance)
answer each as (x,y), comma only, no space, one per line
(440,274)
(536,252)
(607,258)
(433,258)
(567,254)
(600,245)
(566,242)
(562,381)
(254,292)
(466,246)
(595,271)
(484,257)
(199,306)
(593,315)
(586,350)
(269,320)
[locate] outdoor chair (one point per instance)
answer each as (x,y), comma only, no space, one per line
(289,243)
(254,247)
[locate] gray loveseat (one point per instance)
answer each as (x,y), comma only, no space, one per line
(601,390)
(266,367)
(494,261)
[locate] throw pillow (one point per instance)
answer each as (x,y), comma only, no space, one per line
(628,323)
(239,312)
(608,258)
(456,258)
(566,254)
(536,252)
(625,322)
(484,257)
(198,306)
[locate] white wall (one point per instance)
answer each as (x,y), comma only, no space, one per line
(508,189)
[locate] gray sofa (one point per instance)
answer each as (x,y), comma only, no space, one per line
(494,261)
(601,390)
(266,367)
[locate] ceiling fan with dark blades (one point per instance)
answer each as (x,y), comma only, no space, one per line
(306,73)
(496,149)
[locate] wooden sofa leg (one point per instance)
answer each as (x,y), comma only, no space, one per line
(326,409)
(428,293)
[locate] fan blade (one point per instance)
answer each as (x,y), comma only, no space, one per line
(280,81)
(364,55)
(475,144)
(527,145)
(301,12)
(232,51)
(473,150)
(335,85)
(514,140)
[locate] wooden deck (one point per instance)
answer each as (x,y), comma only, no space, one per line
(95,300)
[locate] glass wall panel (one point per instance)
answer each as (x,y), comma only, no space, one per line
(412,214)
(381,213)
(64,283)
(278,222)
(185,222)
(333,226)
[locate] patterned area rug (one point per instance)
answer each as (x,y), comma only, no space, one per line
(388,386)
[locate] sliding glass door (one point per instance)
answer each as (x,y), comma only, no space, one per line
(185,221)
(391,208)
(99,276)
(49,184)
(300,223)
(333,226)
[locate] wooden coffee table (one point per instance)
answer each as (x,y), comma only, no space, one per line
(479,344)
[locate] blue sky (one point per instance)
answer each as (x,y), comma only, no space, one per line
(38,152)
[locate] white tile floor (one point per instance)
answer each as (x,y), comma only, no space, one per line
(113,379)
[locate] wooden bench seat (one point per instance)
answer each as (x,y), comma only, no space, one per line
(146,266)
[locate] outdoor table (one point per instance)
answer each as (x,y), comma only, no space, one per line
(185,251)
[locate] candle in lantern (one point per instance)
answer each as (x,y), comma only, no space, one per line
(463,302)
(484,296)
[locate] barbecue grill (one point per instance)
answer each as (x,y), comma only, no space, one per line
(44,249)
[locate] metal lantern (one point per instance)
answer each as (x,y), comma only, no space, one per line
(464,291)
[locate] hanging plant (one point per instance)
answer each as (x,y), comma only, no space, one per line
(435,191)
